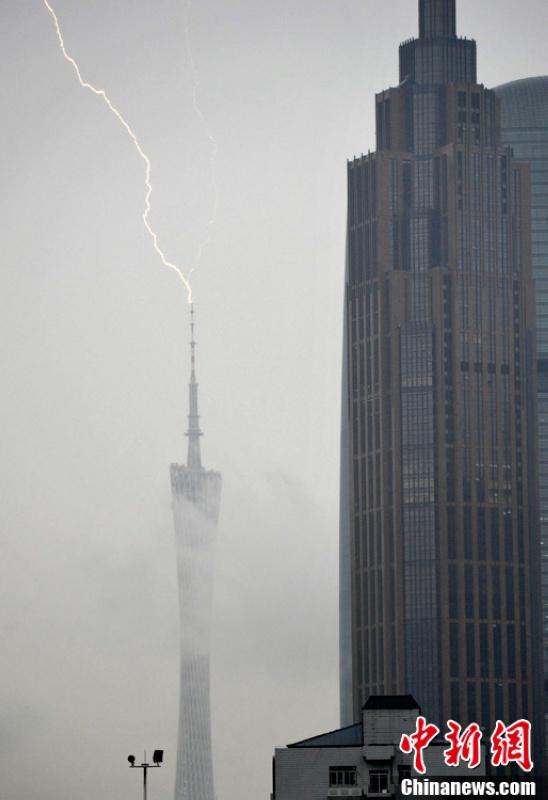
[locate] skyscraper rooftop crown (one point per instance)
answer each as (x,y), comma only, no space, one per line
(438,55)
(437,18)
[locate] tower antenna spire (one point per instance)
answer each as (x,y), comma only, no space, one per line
(194,459)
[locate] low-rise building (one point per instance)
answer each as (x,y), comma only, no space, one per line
(362,760)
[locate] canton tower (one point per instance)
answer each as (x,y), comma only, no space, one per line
(196,498)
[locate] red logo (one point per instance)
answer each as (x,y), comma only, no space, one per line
(509,744)
(417,742)
(465,746)
(512,744)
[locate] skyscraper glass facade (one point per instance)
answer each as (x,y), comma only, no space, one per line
(524,126)
(524,123)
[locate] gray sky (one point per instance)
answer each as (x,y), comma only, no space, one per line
(94,357)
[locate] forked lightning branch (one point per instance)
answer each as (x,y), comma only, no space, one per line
(148,169)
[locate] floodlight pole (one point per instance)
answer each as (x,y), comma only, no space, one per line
(145,767)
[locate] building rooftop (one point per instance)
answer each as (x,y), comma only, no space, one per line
(391,702)
(351,736)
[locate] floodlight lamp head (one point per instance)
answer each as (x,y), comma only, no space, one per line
(131,760)
(158,756)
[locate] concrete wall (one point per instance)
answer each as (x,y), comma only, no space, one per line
(302,773)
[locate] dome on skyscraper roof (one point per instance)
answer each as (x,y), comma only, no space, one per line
(528,98)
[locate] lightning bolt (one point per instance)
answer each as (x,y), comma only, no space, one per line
(148,186)
(214,147)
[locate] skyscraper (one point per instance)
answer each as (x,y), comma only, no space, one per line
(524,126)
(440,536)
(196,498)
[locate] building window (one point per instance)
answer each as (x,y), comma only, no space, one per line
(343,776)
(378,781)
(453,593)
(455,701)
(404,772)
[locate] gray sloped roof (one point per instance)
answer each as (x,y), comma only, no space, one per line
(352,736)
